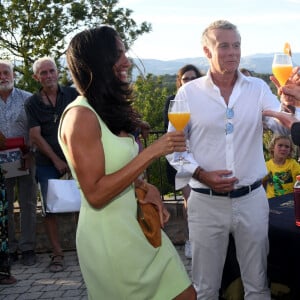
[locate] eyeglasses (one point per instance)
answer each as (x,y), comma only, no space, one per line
(185,79)
(229,126)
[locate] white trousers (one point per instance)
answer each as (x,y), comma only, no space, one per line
(211,219)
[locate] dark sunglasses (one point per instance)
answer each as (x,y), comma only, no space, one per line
(185,79)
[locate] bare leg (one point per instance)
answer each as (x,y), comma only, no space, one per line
(53,235)
(57,259)
(188,294)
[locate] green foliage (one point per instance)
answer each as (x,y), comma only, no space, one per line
(36,28)
(156,172)
(169,81)
(158,177)
(106,12)
(150,96)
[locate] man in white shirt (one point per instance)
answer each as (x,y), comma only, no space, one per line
(226,165)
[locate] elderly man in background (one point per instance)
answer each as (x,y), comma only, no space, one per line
(44,110)
(13,123)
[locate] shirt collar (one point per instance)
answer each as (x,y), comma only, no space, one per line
(13,92)
(241,78)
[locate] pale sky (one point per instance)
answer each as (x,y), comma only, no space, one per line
(177,25)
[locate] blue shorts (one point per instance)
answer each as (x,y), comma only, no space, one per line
(43,174)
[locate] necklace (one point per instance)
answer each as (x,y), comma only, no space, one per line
(55,115)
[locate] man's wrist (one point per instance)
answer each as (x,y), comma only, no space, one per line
(197,174)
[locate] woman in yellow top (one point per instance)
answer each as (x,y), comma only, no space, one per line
(282,168)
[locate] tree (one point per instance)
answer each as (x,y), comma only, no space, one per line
(30,29)
(105,12)
(150,96)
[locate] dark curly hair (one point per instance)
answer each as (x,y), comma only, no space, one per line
(91,56)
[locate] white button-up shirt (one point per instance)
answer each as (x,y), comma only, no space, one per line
(210,147)
(13,120)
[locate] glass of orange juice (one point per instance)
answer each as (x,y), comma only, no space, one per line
(179,115)
(282,67)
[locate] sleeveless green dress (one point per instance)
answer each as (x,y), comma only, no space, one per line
(116,260)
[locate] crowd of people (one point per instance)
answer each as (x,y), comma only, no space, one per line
(35,118)
(225,184)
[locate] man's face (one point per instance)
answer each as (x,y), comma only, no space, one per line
(6,78)
(47,74)
(224,51)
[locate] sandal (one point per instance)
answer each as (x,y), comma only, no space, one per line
(57,263)
(7,279)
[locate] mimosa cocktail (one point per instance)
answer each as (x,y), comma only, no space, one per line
(282,67)
(282,73)
(179,119)
(179,115)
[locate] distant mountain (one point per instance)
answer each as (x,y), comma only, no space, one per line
(259,63)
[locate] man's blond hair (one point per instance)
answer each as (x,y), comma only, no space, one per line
(219,24)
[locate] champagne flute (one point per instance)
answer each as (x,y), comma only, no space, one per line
(282,67)
(179,115)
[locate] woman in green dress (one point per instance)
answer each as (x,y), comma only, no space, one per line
(116,260)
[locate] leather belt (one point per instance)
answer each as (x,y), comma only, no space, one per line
(233,194)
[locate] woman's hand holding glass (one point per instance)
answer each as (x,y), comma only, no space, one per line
(290,92)
(179,115)
(168,143)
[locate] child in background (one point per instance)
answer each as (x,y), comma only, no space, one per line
(282,168)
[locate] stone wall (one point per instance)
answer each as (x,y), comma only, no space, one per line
(175,228)
(67,230)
